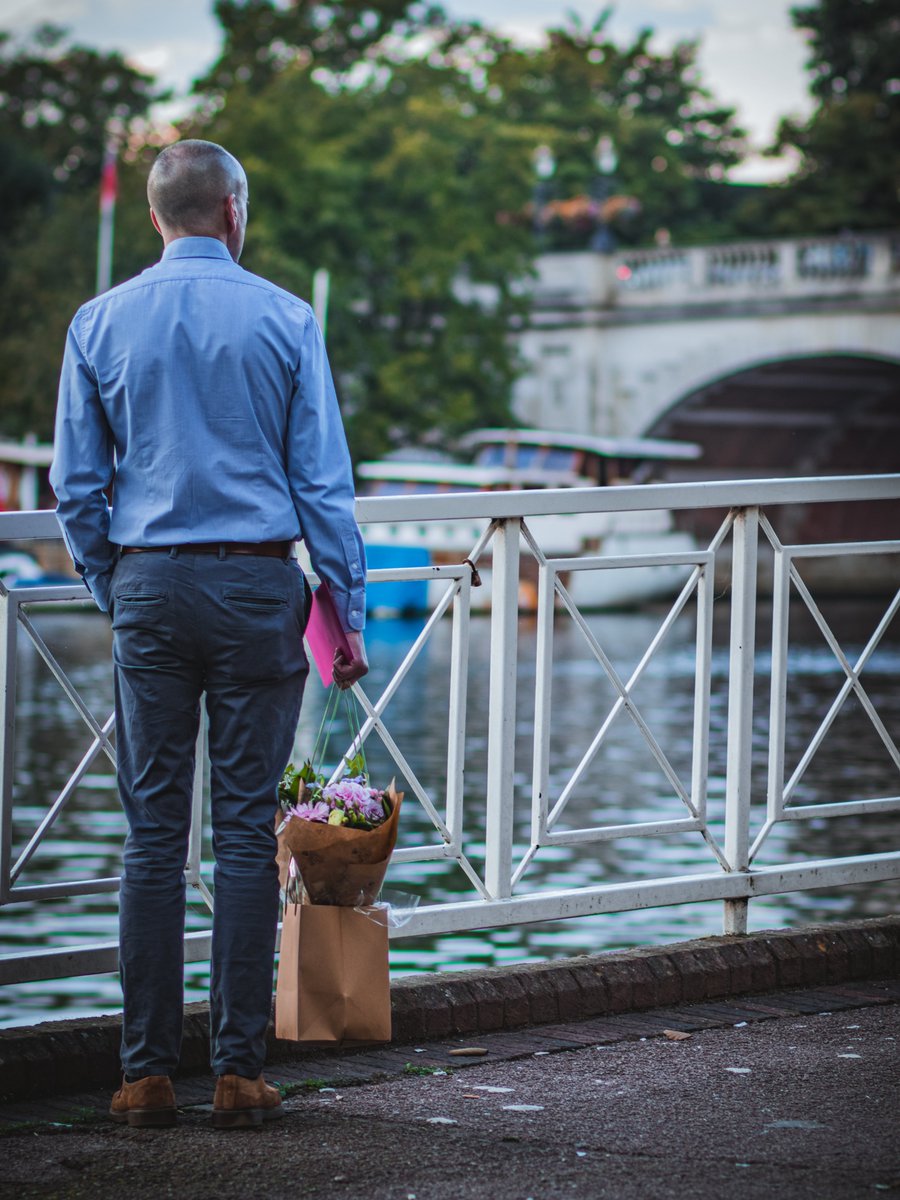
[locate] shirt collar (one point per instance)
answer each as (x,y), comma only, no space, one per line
(196,247)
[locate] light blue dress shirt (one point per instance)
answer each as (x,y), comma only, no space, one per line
(203,395)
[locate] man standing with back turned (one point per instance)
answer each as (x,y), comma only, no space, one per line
(201,394)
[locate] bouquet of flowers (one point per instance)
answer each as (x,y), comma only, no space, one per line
(339,834)
(347,801)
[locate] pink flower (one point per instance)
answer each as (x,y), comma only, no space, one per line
(317,811)
(372,808)
(347,793)
(354,796)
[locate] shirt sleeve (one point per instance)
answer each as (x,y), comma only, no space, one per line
(321,481)
(82,470)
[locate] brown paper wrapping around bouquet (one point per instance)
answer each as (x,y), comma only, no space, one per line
(337,864)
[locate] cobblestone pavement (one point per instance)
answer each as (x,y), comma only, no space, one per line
(788,1095)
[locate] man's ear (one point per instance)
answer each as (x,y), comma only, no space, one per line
(232,220)
(156,224)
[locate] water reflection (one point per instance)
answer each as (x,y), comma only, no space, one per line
(622,784)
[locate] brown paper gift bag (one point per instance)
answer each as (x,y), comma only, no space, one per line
(333,983)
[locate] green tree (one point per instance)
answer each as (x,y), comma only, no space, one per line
(849,149)
(57,104)
(671,138)
(394,187)
(47,274)
(854,46)
(58,101)
(405,169)
(262,38)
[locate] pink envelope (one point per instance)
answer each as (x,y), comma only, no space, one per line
(325,634)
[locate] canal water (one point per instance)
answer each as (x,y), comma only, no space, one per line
(623,785)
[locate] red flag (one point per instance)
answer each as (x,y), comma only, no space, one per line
(109,182)
(108,190)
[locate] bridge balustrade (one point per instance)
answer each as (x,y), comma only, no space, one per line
(789,268)
(473,822)
(834,260)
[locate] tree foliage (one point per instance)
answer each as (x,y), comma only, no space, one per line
(402,163)
(262,38)
(58,103)
(853,44)
(849,150)
(671,138)
(47,272)
(394,188)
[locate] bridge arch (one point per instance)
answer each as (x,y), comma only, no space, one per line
(656,364)
(799,415)
(822,414)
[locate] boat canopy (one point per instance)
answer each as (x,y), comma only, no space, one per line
(389,477)
(522,459)
(604,447)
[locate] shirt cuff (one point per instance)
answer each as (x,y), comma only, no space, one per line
(351,608)
(99,587)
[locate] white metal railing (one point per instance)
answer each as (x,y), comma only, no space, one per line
(500,895)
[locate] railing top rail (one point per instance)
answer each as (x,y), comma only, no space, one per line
(628,498)
(23,526)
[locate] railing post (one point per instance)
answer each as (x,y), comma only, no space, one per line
(788,279)
(699,259)
(456,732)
(192,868)
(878,276)
(7,735)
(502,708)
(740,706)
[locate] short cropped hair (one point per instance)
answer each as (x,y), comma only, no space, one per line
(189,181)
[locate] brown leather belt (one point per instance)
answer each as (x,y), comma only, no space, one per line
(264,549)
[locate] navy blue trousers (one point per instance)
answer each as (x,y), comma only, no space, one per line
(232,627)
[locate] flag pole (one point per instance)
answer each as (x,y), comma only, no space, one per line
(321,287)
(108,190)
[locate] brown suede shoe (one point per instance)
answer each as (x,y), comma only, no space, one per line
(244,1103)
(149,1101)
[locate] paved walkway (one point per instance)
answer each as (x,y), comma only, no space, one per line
(783,1095)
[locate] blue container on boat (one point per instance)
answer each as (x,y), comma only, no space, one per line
(397,595)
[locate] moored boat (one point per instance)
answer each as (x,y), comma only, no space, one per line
(513,459)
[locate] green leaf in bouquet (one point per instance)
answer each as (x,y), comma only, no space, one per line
(356,765)
(357,821)
(289,787)
(307,773)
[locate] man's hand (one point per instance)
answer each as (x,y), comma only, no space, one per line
(345,673)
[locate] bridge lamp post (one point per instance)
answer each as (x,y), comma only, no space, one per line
(606,160)
(544,167)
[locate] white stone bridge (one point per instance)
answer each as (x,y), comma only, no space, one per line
(778,357)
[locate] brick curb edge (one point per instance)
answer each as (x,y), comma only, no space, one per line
(59,1056)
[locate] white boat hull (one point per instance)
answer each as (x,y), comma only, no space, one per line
(559,537)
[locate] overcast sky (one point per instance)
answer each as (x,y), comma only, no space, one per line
(750,55)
